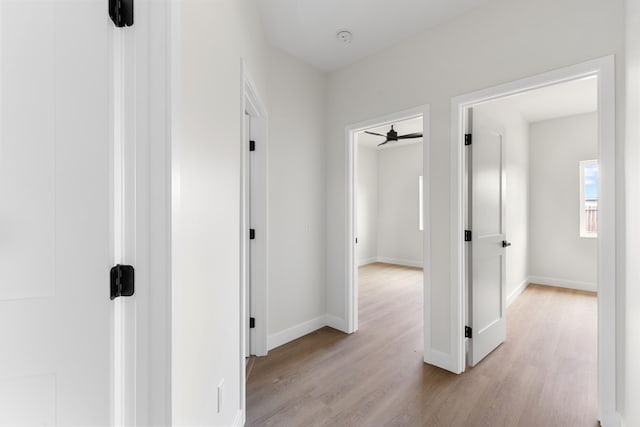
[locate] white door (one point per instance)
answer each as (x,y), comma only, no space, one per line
(55,363)
(488,267)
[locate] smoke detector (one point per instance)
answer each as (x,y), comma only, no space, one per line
(344,36)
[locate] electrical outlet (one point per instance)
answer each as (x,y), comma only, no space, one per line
(220,395)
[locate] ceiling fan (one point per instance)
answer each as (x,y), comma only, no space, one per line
(392,136)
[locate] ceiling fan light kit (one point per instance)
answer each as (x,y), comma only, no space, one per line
(392,135)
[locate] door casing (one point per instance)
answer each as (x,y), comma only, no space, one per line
(142,229)
(604,70)
(254,214)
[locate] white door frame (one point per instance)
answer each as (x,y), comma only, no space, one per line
(142,226)
(141,212)
(604,69)
(256,200)
(258,267)
(351,289)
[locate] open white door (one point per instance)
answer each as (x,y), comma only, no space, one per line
(55,246)
(488,267)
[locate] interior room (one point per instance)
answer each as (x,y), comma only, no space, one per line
(389,225)
(548,133)
(550,196)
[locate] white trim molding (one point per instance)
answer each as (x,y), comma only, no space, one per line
(336,323)
(604,70)
(517,291)
(367,261)
(564,283)
(253,259)
(394,261)
(402,262)
(255,178)
(295,332)
(142,118)
(298,331)
(440,359)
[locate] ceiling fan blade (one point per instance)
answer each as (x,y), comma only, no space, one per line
(376,134)
(382,143)
(410,135)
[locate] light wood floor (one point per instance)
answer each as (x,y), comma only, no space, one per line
(543,375)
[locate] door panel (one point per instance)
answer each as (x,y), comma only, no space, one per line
(487,178)
(489,295)
(488,267)
(54,213)
(27,175)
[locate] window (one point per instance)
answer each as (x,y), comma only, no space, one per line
(589,198)
(420,205)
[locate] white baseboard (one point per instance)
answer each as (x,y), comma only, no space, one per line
(295,332)
(442,360)
(304,328)
(398,261)
(367,261)
(563,283)
(336,323)
(239,421)
(517,291)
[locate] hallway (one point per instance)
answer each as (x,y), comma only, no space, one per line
(544,375)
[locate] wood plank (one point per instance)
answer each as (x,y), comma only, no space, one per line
(543,375)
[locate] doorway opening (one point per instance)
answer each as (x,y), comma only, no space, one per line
(485,231)
(389,228)
(387,215)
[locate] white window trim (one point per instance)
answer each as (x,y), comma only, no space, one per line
(583,216)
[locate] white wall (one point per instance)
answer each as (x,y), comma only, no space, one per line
(558,254)
(210,38)
(511,39)
(207,124)
(296,104)
(388,211)
(367,205)
(515,131)
(399,238)
(631,371)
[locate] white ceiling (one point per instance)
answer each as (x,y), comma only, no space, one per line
(307,28)
(552,102)
(402,127)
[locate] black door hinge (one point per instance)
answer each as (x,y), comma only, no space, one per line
(252,322)
(252,145)
(121,12)
(122,281)
(467,139)
(467,235)
(252,234)
(467,332)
